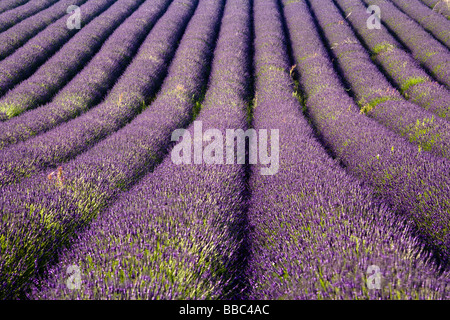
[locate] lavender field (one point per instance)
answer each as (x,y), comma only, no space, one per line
(224,149)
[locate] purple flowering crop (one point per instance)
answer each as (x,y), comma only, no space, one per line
(438,6)
(414,183)
(374,94)
(10,18)
(187,245)
(224,149)
(401,67)
(315,235)
(433,22)
(95,178)
(90,85)
(11,4)
(133,90)
(59,69)
(430,52)
(20,33)
(33,53)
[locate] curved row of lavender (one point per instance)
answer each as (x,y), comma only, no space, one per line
(41,215)
(178,233)
(12,17)
(90,85)
(428,51)
(431,21)
(25,60)
(414,183)
(440,6)
(6,5)
(399,65)
(19,34)
(66,62)
(315,229)
(136,87)
(373,93)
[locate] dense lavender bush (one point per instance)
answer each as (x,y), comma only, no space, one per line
(433,22)
(6,5)
(90,85)
(440,6)
(425,49)
(189,224)
(10,18)
(20,33)
(414,183)
(67,61)
(133,90)
(27,58)
(375,95)
(94,179)
(314,228)
(404,71)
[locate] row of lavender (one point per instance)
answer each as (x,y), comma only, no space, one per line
(90,85)
(11,4)
(315,235)
(136,87)
(440,6)
(40,215)
(170,119)
(10,18)
(163,267)
(65,64)
(414,183)
(16,36)
(427,50)
(24,61)
(184,223)
(400,66)
(375,95)
(430,20)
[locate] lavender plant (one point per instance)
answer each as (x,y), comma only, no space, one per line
(21,32)
(68,60)
(431,21)
(374,94)
(90,85)
(315,229)
(428,51)
(96,177)
(30,56)
(440,6)
(10,4)
(190,216)
(401,67)
(132,91)
(87,185)
(13,16)
(414,183)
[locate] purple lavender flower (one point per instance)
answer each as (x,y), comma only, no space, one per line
(430,52)
(61,67)
(413,182)
(33,53)
(10,4)
(90,85)
(400,66)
